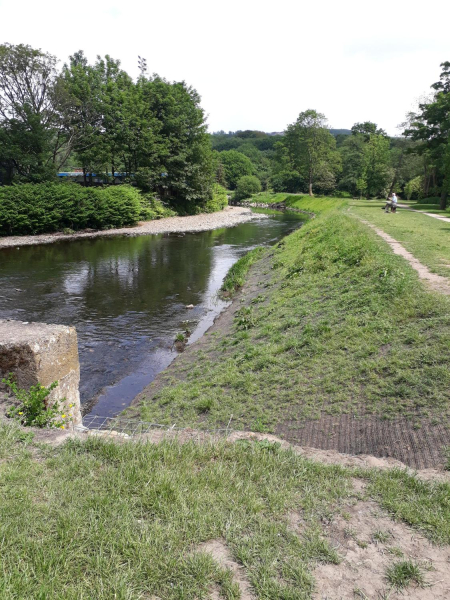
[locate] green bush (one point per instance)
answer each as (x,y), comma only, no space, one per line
(218,201)
(247,186)
(46,207)
(153,209)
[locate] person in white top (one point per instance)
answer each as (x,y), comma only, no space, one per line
(391,203)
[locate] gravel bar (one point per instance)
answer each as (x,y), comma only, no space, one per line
(230,216)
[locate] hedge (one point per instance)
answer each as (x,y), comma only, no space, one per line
(46,207)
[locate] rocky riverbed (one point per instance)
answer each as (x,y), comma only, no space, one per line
(230,216)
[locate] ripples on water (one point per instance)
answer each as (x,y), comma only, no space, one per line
(126,296)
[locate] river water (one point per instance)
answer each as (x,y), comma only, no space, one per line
(127,297)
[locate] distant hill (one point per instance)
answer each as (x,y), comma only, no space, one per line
(336,132)
(254,134)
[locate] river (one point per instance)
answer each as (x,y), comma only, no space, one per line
(127,297)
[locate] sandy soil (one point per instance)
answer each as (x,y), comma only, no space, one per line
(230,216)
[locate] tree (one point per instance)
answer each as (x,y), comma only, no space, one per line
(431,127)
(367,129)
(236,165)
(366,161)
(247,186)
(309,146)
(376,166)
(28,111)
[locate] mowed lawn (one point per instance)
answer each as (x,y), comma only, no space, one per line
(427,238)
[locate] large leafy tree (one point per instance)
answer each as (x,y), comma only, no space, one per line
(236,165)
(431,127)
(30,118)
(310,147)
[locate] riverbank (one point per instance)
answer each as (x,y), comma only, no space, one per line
(331,343)
(229,217)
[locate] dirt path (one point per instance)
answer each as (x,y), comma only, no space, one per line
(230,216)
(434,281)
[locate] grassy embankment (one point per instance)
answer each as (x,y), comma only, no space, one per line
(428,239)
(339,325)
(103,520)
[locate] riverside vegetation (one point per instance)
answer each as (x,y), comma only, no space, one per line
(339,317)
(47,207)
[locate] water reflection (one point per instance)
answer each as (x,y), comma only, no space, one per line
(127,296)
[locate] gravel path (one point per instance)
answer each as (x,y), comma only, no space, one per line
(230,216)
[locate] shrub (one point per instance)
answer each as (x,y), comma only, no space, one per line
(218,201)
(247,186)
(46,207)
(153,209)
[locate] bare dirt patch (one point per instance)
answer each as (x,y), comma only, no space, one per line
(369,542)
(220,553)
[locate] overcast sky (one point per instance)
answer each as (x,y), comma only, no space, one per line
(258,63)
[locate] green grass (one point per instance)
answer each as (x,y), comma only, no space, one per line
(99,519)
(403,573)
(344,327)
(426,238)
(413,501)
(237,273)
(316,205)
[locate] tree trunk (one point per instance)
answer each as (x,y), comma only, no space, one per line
(84,177)
(310,187)
(443,200)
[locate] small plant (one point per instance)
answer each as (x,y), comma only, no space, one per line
(395,551)
(245,318)
(34,409)
(260,298)
(260,426)
(68,231)
(403,573)
(381,536)
(180,337)
(204,405)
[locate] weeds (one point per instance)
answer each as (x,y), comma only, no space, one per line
(403,573)
(34,408)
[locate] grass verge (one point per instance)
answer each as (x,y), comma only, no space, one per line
(426,238)
(237,273)
(338,324)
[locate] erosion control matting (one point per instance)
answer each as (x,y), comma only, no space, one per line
(420,447)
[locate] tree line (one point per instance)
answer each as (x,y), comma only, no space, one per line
(94,116)
(97,118)
(364,161)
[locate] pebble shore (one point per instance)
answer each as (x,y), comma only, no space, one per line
(230,216)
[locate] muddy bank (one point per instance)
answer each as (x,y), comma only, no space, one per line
(230,216)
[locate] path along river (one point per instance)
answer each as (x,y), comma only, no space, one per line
(127,297)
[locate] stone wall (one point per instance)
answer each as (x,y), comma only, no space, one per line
(42,353)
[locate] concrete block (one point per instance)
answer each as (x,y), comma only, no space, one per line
(42,353)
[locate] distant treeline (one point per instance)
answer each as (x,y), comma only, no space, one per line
(97,118)
(363,161)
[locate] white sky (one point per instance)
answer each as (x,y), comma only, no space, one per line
(258,63)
